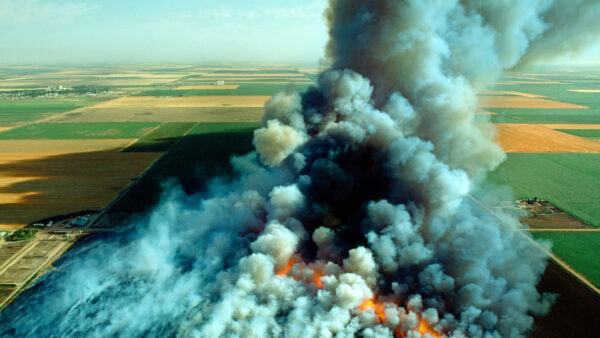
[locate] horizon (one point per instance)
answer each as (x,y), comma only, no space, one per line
(42,32)
(207,32)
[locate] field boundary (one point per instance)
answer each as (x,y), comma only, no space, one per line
(557,260)
(142,174)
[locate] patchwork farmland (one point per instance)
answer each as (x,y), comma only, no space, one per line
(63,151)
(102,141)
(552,147)
(112,151)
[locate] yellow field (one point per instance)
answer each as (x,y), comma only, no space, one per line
(208,87)
(511,83)
(571,126)
(145,75)
(585,90)
(17,148)
(493,92)
(188,101)
(534,138)
(35,186)
(523,102)
(252,75)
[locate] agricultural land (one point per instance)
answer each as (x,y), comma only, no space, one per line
(105,140)
(98,143)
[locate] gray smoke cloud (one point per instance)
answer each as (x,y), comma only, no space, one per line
(353,217)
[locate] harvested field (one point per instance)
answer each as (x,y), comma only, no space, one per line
(34,259)
(21,269)
(189,101)
(512,83)
(15,150)
(162,114)
(44,247)
(532,138)
(585,90)
(9,250)
(233,75)
(48,185)
(5,293)
(571,126)
(509,93)
(143,75)
(521,94)
(207,87)
(524,102)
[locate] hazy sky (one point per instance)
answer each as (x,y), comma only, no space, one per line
(180,31)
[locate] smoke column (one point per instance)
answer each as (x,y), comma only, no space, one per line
(353,215)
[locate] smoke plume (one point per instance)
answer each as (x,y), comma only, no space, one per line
(353,217)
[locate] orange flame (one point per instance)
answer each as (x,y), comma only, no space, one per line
(284,271)
(316,273)
(373,304)
(424,328)
(377,308)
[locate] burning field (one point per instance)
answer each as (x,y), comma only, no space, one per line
(356,214)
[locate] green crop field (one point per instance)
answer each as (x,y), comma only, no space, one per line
(13,111)
(570,181)
(562,92)
(68,131)
(268,88)
(579,250)
(161,138)
(558,92)
(587,133)
(521,115)
(202,154)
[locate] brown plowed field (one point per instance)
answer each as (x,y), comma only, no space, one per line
(186,101)
(35,186)
(523,102)
(161,114)
(533,138)
(575,312)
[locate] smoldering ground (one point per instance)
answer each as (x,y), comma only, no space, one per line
(353,217)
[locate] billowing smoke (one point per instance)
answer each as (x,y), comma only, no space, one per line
(353,217)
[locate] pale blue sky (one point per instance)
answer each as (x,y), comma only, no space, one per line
(178,31)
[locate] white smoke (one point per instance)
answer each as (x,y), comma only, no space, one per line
(353,216)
